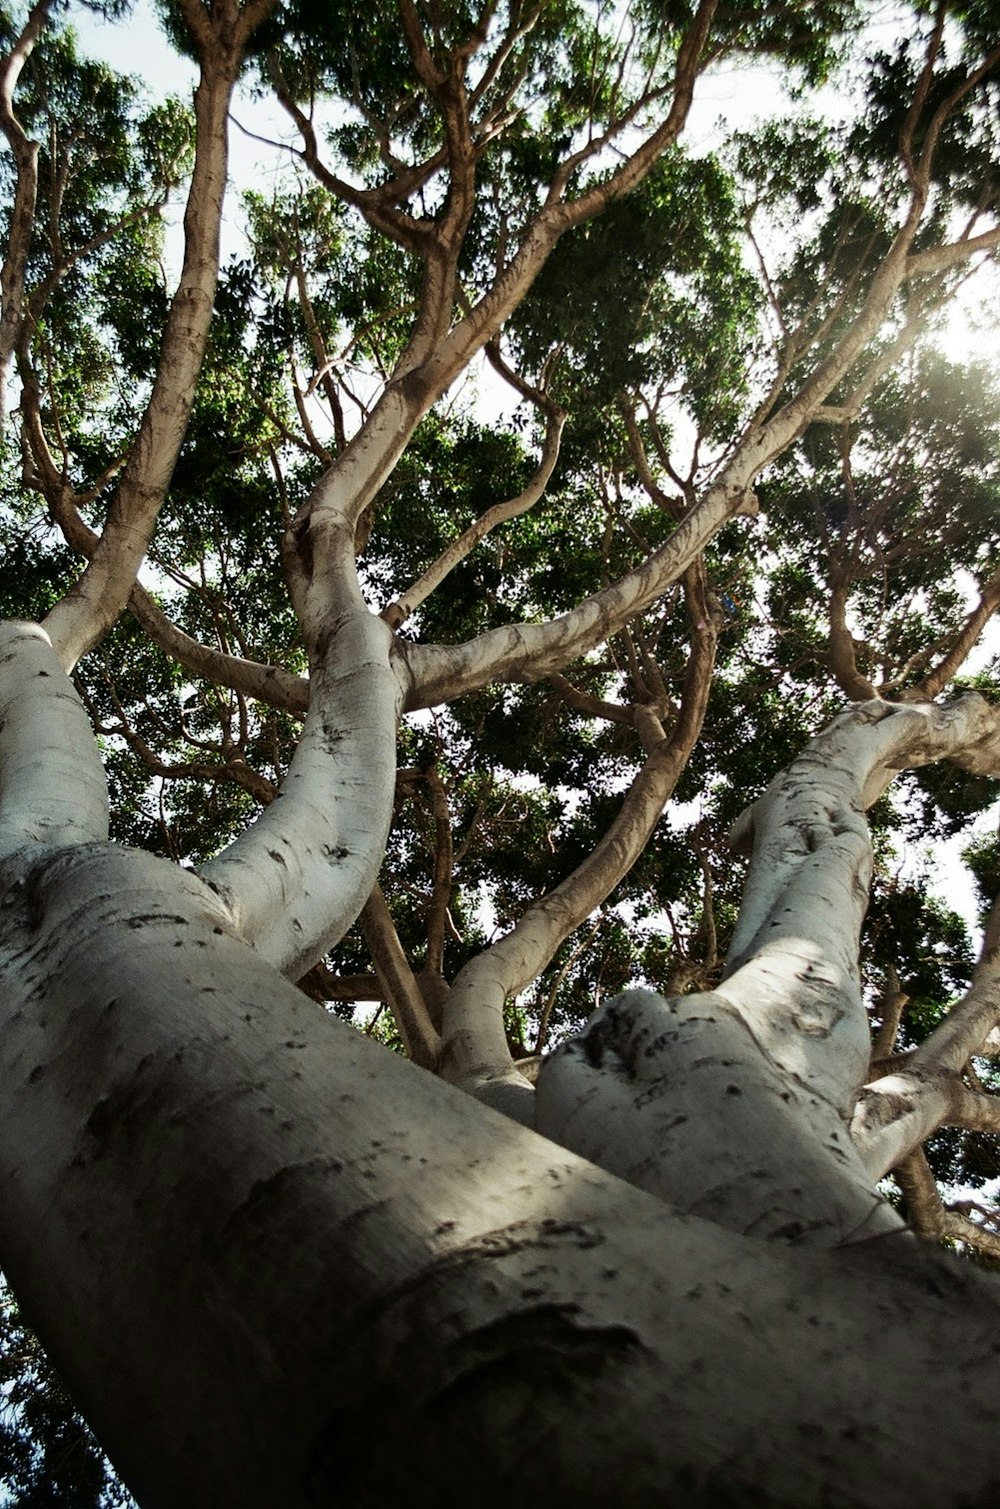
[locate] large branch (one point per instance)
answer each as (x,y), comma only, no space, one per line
(21,224)
(439,673)
(957,652)
(475,1054)
(52,786)
(783,1043)
(299,876)
(400,1284)
(297,879)
(89,609)
(516,651)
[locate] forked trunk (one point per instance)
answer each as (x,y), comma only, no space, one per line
(281,1266)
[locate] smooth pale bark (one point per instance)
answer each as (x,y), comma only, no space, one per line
(281,1266)
(758,1080)
(52,785)
(678,1097)
(297,878)
(531,651)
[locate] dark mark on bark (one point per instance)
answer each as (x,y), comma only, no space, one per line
(147,917)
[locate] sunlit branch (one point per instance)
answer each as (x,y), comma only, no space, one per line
(899,1110)
(474,1045)
(21,224)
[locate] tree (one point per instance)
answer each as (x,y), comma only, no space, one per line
(640,1258)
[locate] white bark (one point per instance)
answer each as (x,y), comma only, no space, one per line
(759,1079)
(52,786)
(298,877)
(280,1266)
(534,650)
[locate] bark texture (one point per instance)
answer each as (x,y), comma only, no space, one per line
(323,1276)
(758,1081)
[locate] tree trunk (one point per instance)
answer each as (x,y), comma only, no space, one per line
(281,1266)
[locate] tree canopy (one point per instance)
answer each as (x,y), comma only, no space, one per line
(570,469)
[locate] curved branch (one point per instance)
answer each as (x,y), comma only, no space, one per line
(400,609)
(90,608)
(475,1053)
(440,673)
(298,878)
(840,655)
(924,1206)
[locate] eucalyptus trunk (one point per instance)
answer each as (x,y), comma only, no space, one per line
(279,1265)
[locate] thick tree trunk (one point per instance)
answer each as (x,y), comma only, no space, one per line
(281,1266)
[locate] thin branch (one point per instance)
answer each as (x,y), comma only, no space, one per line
(892,1003)
(437,912)
(400,609)
(398,983)
(474,1045)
